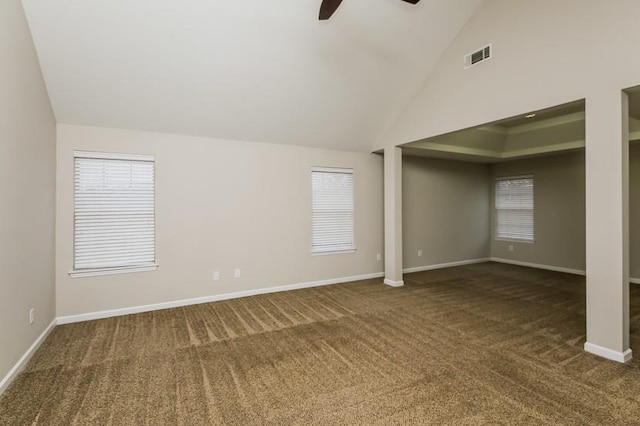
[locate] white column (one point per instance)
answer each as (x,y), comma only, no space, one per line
(393,217)
(607,220)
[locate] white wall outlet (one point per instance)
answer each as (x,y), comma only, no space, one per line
(419,253)
(378,257)
(32,316)
(216,276)
(510,247)
(236,273)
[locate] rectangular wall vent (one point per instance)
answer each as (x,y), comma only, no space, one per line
(477,56)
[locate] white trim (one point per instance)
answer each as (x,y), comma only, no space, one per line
(13,373)
(207,299)
(547,267)
(608,353)
(332,170)
(393,283)
(111,271)
(332,251)
(444,265)
(113,156)
(539,266)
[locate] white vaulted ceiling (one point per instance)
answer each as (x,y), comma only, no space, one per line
(256,70)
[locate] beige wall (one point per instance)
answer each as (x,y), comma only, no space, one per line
(220,205)
(559,211)
(545,53)
(436,222)
(445,211)
(634,209)
(27,185)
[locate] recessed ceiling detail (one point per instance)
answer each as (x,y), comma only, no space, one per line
(549,131)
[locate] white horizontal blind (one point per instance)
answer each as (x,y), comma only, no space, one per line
(114,219)
(514,208)
(332,207)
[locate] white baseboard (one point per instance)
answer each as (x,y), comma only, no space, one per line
(207,299)
(608,353)
(444,265)
(539,266)
(6,381)
(393,283)
(550,268)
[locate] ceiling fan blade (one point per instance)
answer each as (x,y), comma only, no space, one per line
(327,8)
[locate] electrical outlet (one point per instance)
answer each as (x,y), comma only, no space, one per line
(419,253)
(32,316)
(236,273)
(216,276)
(510,247)
(379,257)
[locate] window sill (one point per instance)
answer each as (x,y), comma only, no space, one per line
(111,271)
(329,252)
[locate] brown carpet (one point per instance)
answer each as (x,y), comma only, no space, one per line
(479,344)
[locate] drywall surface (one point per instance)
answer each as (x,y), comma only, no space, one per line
(253,70)
(559,211)
(27,190)
(220,206)
(544,53)
(445,211)
(634,210)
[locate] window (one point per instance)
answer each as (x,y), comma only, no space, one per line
(332,206)
(514,208)
(114,213)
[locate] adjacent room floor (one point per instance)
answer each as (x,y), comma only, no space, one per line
(479,344)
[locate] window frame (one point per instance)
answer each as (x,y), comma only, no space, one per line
(97,271)
(496,235)
(334,250)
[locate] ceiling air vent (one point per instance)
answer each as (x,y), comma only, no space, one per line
(477,56)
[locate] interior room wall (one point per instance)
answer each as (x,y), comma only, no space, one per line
(559,211)
(541,57)
(27,191)
(445,211)
(220,205)
(634,210)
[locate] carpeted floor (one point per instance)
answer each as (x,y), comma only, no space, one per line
(479,344)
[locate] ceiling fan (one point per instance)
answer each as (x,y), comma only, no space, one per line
(329,6)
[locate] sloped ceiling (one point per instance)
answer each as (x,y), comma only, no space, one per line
(253,70)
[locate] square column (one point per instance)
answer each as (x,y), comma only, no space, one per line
(393,217)
(607,220)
